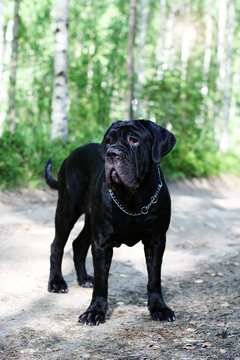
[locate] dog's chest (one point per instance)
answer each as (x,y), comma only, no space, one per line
(128,236)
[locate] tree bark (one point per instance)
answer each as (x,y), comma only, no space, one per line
(208,49)
(220,64)
(1,60)
(228,78)
(161,46)
(130,59)
(187,41)
(13,72)
(171,56)
(207,104)
(59,128)
(141,58)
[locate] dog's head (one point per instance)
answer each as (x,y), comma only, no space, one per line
(130,148)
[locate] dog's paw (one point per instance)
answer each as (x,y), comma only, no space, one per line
(87,282)
(162,314)
(57,286)
(92,318)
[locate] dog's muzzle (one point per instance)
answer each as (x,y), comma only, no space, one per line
(113,153)
(113,158)
(117,168)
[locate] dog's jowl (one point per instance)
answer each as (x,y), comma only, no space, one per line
(120,188)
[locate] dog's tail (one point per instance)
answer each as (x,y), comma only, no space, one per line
(48,176)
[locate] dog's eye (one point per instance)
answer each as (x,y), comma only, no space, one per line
(133,140)
(109,141)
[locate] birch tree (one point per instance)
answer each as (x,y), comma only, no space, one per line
(161,46)
(1,61)
(6,60)
(130,59)
(170,50)
(13,72)
(220,63)
(140,64)
(188,38)
(228,77)
(208,48)
(206,103)
(59,126)
(1,42)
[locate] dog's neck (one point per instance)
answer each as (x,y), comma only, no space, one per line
(134,201)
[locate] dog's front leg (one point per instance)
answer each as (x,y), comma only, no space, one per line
(157,307)
(102,257)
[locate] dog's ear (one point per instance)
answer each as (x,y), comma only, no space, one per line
(163,142)
(102,147)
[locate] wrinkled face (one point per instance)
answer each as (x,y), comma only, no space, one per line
(127,158)
(127,150)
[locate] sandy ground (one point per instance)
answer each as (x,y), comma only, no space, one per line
(200,277)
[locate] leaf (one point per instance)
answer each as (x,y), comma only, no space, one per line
(199,281)
(192,322)
(55,349)
(123,275)
(189,347)
(222,351)
(190,329)
(217,274)
(206,345)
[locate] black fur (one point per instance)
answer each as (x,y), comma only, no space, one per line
(125,162)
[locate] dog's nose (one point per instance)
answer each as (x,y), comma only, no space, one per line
(113,152)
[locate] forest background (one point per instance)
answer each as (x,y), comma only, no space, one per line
(68,69)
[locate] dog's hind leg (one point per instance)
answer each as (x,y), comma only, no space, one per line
(80,248)
(67,214)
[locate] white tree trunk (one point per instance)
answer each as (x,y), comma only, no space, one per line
(228,77)
(13,72)
(130,59)
(220,63)
(161,46)
(140,64)
(234,111)
(188,37)
(170,49)
(207,104)
(7,54)
(59,127)
(1,61)
(208,48)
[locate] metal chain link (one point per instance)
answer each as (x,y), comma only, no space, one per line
(144,209)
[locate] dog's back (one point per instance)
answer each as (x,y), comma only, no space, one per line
(76,176)
(78,166)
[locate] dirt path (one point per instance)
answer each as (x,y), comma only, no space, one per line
(200,273)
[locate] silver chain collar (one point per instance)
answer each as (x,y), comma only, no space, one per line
(144,209)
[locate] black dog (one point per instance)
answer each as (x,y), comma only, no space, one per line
(121,189)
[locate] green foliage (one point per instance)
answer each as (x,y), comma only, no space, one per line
(178,104)
(97,82)
(194,159)
(12,155)
(23,156)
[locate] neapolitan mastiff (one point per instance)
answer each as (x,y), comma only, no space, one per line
(120,188)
